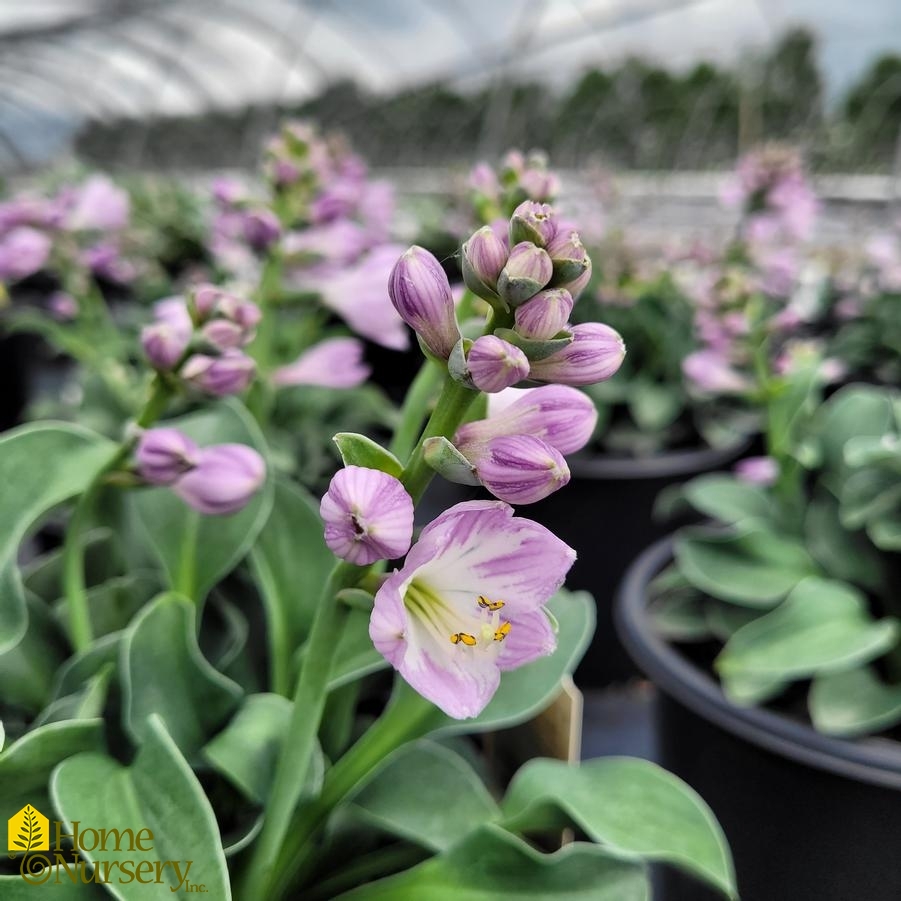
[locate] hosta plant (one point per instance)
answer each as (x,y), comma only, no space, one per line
(795,580)
(215,682)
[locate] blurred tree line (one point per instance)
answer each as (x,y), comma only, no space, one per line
(636,115)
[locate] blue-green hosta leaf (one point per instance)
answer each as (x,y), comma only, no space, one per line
(58,887)
(159,792)
(163,672)
(427,794)
(633,808)
(753,566)
(197,551)
(246,750)
(855,702)
(492,865)
(41,466)
(823,626)
(728,499)
(26,764)
(851,413)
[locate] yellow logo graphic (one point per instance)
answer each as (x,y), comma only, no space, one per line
(28,830)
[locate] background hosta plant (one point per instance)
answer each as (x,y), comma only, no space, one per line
(798,580)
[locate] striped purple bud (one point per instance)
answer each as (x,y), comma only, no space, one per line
(519,469)
(545,314)
(533,222)
(494,364)
(527,270)
(421,294)
(595,354)
(221,376)
(484,255)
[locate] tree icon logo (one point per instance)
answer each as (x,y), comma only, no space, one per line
(28,830)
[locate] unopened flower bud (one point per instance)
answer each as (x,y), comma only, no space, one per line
(757,470)
(520,469)
(63,306)
(229,374)
(204,299)
(527,271)
(224,479)
(533,222)
(544,315)
(368,516)
(570,259)
(563,417)
(223,335)
(164,344)
(164,455)
(421,294)
(484,255)
(261,228)
(494,364)
(595,354)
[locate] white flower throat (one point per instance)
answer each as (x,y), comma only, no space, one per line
(483,627)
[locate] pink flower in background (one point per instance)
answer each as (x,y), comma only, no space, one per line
(98,205)
(340,242)
(333,363)
(757,470)
(468,604)
(359,295)
(23,251)
(712,373)
(63,306)
(105,260)
(368,516)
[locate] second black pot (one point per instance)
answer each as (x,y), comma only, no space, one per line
(809,817)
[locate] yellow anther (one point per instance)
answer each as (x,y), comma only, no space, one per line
(485,604)
(465,637)
(502,632)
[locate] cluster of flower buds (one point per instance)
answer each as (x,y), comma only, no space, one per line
(202,340)
(517,452)
(771,188)
(93,213)
(216,480)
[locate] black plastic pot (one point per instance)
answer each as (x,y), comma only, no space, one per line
(808,817)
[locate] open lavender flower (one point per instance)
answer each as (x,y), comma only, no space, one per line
(333,363)
(468,604)
(368,516)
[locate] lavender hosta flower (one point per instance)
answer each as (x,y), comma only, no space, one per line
(23,251)
(260,228)
(164,344)
(484,256)
(757,470)
(99,205)
(333,363)
(223,480)
(495,364)
(563,417)
(519,469)
(595,354)
(340,242)
(164,455)
(359,295)
(174,312)
(105,260)
(62,306)
(468,603)
(230,373)
(712,373)
(368,516)
(527,270)
(545,314)
(422,296)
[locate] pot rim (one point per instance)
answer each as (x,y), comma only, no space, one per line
(665,465)
(873,760)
